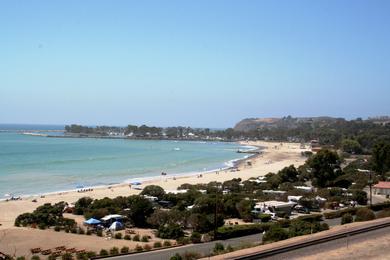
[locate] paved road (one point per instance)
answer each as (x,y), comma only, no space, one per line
(331,245)
(203,249)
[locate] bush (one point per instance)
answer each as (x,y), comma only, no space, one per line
(82,256)
(275,233)
(170,231)
(229,248)
(176,257)
(114,251)
(147,247)
(167,243)
(157,244)
(183,240)
(81,231)
(218,247)
(299,227)
(35,257)
(125,250)
(138,248)
(73,230)
(89,232)
(383,214)
(66,230)
(42,226)
(265,218)
(51,257)
(103,252)
(380,206)
(340,213)
(67,256)
(57,228)
(364,214)
(99,233)
(127,237)
(136,238)
(20,258)
(118,235)
(346,218)
(310,218)
(91,254)
(226,232)
(145,239)
(196,237)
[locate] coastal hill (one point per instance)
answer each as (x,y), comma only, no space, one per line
(288,122)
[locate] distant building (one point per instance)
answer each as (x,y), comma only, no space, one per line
(382,188)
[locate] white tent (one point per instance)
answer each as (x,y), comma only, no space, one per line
(116,226)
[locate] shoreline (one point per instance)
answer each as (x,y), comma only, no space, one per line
(273,158)
(146,179)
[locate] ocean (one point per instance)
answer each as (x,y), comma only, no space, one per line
(32,165)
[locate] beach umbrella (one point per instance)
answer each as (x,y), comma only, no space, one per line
(92,221)
(116,226)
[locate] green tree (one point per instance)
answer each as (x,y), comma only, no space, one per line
(381,157)
(153,190)
(351,146)
(325,168)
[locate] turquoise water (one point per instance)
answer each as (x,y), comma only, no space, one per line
(36,165)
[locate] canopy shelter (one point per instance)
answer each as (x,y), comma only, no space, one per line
(92,221)
(115,217)
(116,226)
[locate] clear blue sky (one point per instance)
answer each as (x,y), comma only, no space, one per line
(196,63)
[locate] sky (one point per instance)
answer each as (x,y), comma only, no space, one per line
(192,63)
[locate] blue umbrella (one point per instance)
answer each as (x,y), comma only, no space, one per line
(136,183)
(92,221)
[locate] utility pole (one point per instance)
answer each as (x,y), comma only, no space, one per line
(369,182)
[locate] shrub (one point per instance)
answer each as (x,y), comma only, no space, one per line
(324,226)
(81,231)
(157,244)
(145,239)
(118,235)
(176,257)
(41,226)
(275,233)
(103,252)
(226,232)
(265,217)
(196,237)
(167,243)
(91,254)
(147,247)
(125,250)
(127,237)
(35,257)
(51,257)
(67,256)
(170,231)
(73,230)
(346,218)
(138,248)
(57,228)
(20,258)
(114,251)
(310,218)
(183,240)
(339,213)
(218,247)
(136,238)
(380,206)
(99,233)
(89,232)
(383,214)
(82,256)
(364,214)
(229,248)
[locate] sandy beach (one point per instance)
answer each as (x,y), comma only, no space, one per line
(274,157)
